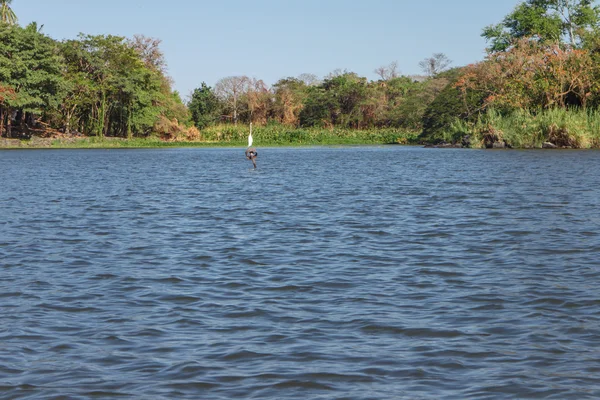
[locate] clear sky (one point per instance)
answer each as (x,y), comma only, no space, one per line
(205,40)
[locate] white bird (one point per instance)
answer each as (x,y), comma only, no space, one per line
(250,136)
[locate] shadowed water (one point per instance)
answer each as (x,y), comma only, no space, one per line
(327,273)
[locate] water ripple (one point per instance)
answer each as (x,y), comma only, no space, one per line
(355,273)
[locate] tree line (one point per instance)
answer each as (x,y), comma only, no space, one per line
(544,55)
(95,85)
(542,72)
(342,99)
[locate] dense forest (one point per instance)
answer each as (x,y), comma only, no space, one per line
(94,86)
(537,87)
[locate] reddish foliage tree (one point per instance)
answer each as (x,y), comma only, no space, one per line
(532,75)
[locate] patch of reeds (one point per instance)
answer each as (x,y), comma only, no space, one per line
(278,135)
(228,135)
(565,128)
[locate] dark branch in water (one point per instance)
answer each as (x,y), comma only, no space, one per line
(251,155)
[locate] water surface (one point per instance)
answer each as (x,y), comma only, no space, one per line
(327,273)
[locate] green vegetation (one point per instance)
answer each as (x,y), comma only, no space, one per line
(7,15)
(526,129)
(225,135)
(94,86)
(548,21)
(539,86)
(277,134)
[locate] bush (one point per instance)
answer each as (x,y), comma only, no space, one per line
(575,128)
(172,130)
(444,111)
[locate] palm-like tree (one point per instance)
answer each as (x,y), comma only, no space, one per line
(7,15)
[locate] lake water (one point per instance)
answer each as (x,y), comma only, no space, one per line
(326,273)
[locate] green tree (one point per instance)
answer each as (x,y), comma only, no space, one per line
(317,107)
(95,59)
(123,94)
(577,16)
(31,67)
(546,20)
(204,106)
(448,106)
(175,108)
(404,102)
(346,93)
(166,101)
(7,15)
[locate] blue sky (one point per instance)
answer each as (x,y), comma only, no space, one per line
(272,39)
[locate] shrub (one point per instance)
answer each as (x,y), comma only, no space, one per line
(575,128)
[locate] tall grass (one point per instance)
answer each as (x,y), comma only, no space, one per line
(570,128)
(237,135)
(277,134)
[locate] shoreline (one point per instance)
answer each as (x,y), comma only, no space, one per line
(83,142)
(119,143)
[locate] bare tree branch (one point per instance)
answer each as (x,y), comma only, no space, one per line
(435,64)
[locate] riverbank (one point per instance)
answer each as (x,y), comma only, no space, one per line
(96,143)
(228,136)
(116,143)
(556,128)
(522,129)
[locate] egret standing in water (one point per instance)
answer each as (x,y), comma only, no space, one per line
(251,152)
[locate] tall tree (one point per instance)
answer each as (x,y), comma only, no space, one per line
(230,90)
(435,64)
(204,107)
(31,68)
(406,101)
(532,75)
(7,15)
(149,51)
(309,79)
(546,20)
(258,99)
(575,15)
(387,72)
(121,94)
(289,99)
(337,101)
